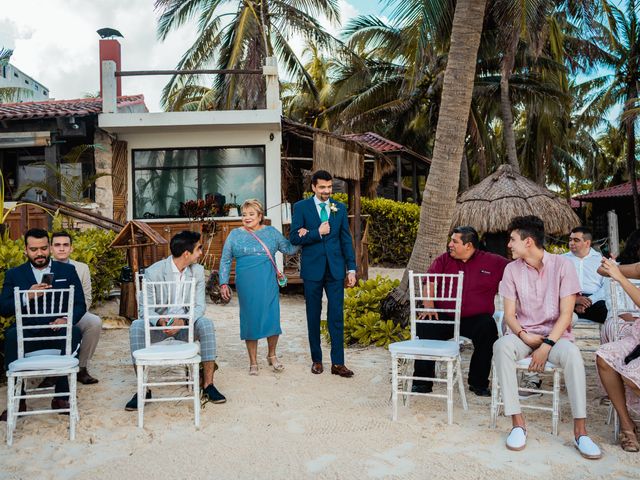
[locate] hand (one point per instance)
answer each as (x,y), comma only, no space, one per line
(225,292)
(324,229)
(539,358)
(302,232)
(611,269)
(351,279)
(428,315)
(177,322)
(580,309)
(532,339)
(37,286)
(583,301)
(58,321)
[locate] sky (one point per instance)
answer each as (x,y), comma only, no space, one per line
(56,43)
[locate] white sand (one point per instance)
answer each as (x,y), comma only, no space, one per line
(294,425)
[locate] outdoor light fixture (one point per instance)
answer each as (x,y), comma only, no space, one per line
(73,124)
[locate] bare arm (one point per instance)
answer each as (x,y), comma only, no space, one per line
(532,339)
(616,272)
(629,271)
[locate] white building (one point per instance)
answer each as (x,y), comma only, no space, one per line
(13,77)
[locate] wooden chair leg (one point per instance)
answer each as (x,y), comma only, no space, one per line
(394,388)
(195,375)
(11,420)
(463,394)
(555,415)
(141,394)
(73,405)
(494,396)
(450,392)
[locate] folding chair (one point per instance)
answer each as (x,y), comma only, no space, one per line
(446,288)
(621,303)
(160,300)
(51,303)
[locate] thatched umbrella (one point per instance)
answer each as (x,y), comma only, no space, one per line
(490,205)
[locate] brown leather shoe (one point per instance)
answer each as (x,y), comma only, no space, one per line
(317,368)
(341,370)
(21,408)
(58,403)
(85,378)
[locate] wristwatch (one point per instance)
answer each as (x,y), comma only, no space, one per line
(549,342)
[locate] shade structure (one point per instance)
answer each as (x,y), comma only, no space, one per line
(490,205)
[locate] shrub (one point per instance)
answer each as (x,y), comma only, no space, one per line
(363,323)
(393,227)
(11,255)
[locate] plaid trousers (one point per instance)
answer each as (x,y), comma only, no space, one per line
(203,332)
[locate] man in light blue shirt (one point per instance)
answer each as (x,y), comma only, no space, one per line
(590,304)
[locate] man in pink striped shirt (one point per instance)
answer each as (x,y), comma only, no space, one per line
(539,291)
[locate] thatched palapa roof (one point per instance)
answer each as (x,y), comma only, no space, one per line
(490,205)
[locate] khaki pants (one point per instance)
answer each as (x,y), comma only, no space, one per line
(509,349)
(90,325)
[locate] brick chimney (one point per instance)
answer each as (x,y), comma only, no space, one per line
(110,50)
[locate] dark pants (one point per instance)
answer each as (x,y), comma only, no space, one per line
(597,312)
(335,316)
(482,331)
(11,347)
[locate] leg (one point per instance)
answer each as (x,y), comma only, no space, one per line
(596,312)
(313,304)
(136,338)
(613,384)
(90,325)
(10,346)
(206,334)
(272,343)
(335,318)
(252,350)
(506,352)
(62,384)
(433,331)
(482,330)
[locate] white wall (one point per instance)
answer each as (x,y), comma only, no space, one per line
(8,78)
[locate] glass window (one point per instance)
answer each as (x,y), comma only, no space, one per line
(165,179)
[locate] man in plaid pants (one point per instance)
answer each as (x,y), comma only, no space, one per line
(182,265)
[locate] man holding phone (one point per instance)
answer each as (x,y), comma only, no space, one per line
(40,273)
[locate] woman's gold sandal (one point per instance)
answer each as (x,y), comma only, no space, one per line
(275,363)
(253,370)
(629,441)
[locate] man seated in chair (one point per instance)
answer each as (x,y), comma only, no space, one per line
(29,276)
(181,265)
(590,303)
(539,291)
(482,275)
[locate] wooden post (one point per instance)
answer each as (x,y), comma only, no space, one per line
(357,226)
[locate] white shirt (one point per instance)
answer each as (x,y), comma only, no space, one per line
(39,272)
(178,276)
(591,283)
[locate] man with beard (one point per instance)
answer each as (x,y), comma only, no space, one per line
(29,276)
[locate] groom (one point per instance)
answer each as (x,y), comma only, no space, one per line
(327,255)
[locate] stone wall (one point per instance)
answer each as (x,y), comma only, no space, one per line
(104,189)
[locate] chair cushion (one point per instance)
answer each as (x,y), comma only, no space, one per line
(524,363)
(440,348)
(43,362)
(46,351)
(167,351)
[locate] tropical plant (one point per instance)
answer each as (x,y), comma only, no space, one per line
(11,94)
(4,212)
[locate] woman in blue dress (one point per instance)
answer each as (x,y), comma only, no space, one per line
(256,281)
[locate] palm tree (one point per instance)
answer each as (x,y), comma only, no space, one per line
(255,29)
(617,84)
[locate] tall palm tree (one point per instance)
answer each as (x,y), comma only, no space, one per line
(255,29)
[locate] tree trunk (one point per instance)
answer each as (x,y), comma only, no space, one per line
(508,61)
(631,159)
(463,184)
(439,197)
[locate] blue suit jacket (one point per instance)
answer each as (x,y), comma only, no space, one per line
(334,249)
(64,275)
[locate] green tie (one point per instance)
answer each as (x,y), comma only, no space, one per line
(323,213)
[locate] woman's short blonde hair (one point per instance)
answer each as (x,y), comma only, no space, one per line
(256,205)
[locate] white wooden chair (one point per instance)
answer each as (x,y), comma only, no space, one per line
(53,303)
(621,303)
(159,299)
(446,288)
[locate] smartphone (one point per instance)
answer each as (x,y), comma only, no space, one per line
(47,278)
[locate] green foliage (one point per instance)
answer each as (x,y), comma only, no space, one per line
(557,248)
(363,323)
(11,255)
(93,248)
(393,227)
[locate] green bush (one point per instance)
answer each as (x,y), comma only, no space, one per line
(11,255)
(393,227)
(363,323)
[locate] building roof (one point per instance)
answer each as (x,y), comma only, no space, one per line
(62,108)
(622,190)
(383,145)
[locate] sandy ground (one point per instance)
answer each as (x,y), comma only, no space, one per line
(295,425)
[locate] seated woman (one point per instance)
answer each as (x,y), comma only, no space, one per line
(619,362)
(614,328)
(256,280)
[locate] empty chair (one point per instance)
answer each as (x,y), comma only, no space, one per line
(431,288)
(39,347)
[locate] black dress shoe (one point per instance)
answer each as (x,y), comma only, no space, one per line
(21,408)
(132,405)
(60,404)
(480,391)
(213,395)
(48,382)
(421,388)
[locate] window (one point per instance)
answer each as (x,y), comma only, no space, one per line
(44,92)
(26,81)
(15,74)
(4,71)
(35,86)
(164,179)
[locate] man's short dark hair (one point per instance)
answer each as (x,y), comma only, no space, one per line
(62,233)
(320,175)
(36,233)
(529,226)
(585,231)
(184,241)
(468,235)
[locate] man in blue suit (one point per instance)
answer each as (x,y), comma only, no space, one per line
(327,256)
(29,276)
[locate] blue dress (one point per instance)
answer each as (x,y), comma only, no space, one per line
(256,283)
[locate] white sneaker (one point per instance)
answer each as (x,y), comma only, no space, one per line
(587,447)
(517,439)
(533,382)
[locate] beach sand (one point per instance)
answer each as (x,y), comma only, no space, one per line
(294,425)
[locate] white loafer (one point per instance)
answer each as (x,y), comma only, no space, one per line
(517,439)
(587,447)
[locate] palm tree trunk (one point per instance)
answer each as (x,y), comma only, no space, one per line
(463,185)
(439,197)
(631,161)
(508,61)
